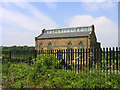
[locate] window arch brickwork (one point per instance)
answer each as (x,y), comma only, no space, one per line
(80,45)
(50,46)
(41,46)
(70,45)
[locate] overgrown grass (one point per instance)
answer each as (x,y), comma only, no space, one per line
(0,72)
(44,73)
(62,79)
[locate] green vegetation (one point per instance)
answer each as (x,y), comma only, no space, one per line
(18,48)
(18,54)
(46,73)
(0,72)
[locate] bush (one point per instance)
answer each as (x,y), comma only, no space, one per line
(45,61)
(63,79)
(45,73)
(16,74)
(28,74)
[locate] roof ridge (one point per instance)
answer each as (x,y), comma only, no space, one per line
(68,32)
(67,28)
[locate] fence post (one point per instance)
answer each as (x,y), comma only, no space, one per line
(78,61)
(81,60)
(110,59)
(89,59)
(75,59)
(117,60)
(94,58)
(91,56)
(55,53)
(104,57)
(101,59)
(86,59)
(66,59)
(71,58)
(35,55)
(10,56)
(113,58)
(107,59)
(97,58)
(58,61)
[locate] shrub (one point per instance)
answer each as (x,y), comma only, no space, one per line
(63,79)
(45,61)
(45,73)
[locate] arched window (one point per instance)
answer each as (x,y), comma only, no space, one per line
(41,46)
(50,46)
(80,45)
(70,54)
(69,45)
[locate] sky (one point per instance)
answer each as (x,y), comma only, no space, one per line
(21,22)
(119,24)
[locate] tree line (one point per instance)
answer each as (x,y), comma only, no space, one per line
(18,48)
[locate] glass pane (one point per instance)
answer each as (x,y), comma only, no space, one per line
(69,45)
(41,46)
(49,46)
(80,45)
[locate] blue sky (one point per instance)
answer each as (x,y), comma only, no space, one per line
(23,21)
(119,25)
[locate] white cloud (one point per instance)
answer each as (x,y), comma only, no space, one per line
(46,21)
(26,27)
(60,0)
(93,0)
(20,37)
(106,31)
(35,22)
(51,5)
(108,5)
(100,0)
(93,6)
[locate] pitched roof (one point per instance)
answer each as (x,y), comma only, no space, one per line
(65,32)
(63,35)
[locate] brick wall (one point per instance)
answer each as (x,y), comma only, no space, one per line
(62,43)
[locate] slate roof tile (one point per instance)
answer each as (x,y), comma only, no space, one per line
(63,35)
